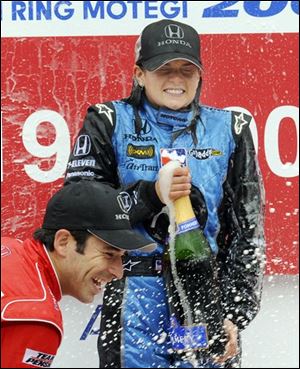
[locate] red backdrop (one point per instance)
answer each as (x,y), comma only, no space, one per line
(257,72)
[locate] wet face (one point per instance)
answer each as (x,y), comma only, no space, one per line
(84,275)
(173,86)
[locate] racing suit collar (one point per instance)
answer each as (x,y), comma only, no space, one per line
(49,270)
(166,117)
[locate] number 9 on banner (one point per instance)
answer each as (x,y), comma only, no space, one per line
(60,147)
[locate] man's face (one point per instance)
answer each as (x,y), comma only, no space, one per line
(84,275)
(173,86)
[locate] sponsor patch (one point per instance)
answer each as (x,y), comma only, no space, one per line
(141,167)
(179,119)
(86,173)
(37,358)
(167,155)
(146,128)
(82,146)
(203,154)
(187,337)
(136,138)
(82,163)
(140,152)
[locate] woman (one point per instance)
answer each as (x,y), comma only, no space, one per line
(121,142)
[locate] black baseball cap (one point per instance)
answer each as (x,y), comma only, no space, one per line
(166,40)
(98,209)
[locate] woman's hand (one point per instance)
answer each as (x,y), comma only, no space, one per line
(231,348)
(180,184)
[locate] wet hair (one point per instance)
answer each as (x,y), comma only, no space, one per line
(135,99)
(47,236)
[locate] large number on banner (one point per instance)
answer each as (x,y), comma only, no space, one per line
(252,8)
(60,147)
(272,141)
(263,8)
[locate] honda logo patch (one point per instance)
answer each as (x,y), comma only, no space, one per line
(174,31)
(82,146)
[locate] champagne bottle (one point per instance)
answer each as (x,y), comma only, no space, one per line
(194,301)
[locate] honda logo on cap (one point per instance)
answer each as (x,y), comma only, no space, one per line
(124,201)
(82,146)
(174,31)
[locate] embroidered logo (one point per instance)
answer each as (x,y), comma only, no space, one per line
(130,264)
(140,152)
(174,31)
(124,201)
(82,146)
(146,128)
(178,154)
(239,122)
(203,154)
(104,109)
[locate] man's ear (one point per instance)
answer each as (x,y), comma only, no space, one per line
(61,241)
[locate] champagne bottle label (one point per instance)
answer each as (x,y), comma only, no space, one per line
(187,337)
(187,226)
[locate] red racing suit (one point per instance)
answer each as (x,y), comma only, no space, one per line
(31,320)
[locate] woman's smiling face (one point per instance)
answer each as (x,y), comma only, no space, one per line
(173,86)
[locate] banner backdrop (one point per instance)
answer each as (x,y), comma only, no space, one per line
(58,57)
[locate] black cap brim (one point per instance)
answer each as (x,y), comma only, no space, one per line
(158,61)
(126,240)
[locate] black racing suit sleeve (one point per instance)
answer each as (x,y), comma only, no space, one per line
(93,158)
(241,243)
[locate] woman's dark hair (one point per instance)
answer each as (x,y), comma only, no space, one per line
(46,236)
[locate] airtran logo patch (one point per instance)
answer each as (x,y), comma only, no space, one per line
(140,152)
(203,154)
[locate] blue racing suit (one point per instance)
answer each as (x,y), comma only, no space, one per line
(227,198)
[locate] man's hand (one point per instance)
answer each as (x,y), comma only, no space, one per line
(180,184)
(231,348)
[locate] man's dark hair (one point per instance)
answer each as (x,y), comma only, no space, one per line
(46,236)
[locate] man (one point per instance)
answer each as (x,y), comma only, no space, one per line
(126,138)
(79,249)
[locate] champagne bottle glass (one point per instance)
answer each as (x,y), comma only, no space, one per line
(194,298)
